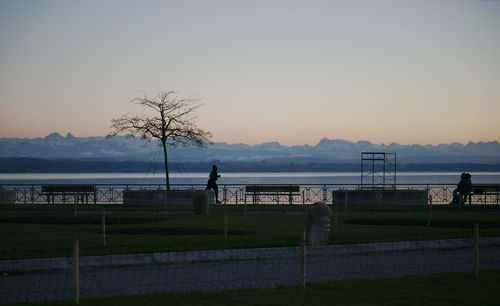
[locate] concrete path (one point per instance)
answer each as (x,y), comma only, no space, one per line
(52,278)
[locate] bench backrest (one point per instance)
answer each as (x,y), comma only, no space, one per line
(480,188)
(67,188)
(272,188)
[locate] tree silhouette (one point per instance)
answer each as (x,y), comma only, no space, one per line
(171,120)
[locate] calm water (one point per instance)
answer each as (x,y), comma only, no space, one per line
(239,178)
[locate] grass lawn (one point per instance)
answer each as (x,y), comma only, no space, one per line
(438,289)
(47,233)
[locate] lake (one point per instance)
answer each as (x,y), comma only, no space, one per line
(239,178)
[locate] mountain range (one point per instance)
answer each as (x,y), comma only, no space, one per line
(120,148)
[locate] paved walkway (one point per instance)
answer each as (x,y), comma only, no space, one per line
(52,278)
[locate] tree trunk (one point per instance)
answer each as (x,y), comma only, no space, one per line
(164,143)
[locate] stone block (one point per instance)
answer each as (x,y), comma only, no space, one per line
(318,217)
(381,197)
(163,197)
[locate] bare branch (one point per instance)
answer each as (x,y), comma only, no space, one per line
(172,122)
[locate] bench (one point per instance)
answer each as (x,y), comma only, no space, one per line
(78,191)
(276,191)
(485,189)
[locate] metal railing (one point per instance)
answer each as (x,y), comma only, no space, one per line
(228,193)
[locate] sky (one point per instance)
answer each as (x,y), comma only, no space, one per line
(423,72)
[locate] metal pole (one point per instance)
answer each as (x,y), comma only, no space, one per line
(429,211)
(76,271)
(225,224)
(103,223)
(303,260)
(476,249)
(335,216)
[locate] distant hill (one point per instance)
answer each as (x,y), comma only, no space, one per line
(121,148)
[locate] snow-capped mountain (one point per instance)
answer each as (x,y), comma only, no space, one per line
(327,150)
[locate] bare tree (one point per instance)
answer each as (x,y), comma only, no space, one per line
(171,121)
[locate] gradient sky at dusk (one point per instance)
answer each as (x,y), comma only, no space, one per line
(425,72)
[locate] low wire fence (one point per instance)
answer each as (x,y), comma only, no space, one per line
(230,193)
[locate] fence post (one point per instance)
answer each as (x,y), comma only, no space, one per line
(429,211)
(476,249)
(103,223)
(303,260)
(76,271)
(245,208)
(346,199)
(224,193)
(225,223)
(335,216)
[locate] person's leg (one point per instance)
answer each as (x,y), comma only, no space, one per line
(455,196)
(216,189)
(464,197)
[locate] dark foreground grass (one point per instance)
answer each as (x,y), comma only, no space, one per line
(438,289)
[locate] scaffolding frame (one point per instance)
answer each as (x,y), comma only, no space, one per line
(378,170)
